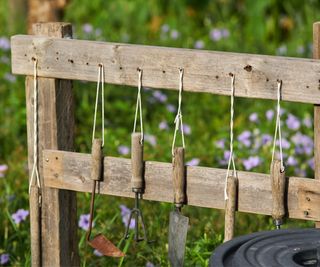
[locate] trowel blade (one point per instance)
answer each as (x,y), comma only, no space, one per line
(178,228)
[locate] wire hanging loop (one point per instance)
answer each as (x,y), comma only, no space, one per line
(231,156)
(100,80)
(35,172)
(178,119)
(139,106)
(277,131)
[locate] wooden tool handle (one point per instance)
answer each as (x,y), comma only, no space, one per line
(137,182)
(230,208)
(179,179)
(278,181)
(96,159)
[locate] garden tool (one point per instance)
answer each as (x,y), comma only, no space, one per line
(137,184)
(230,207)
(278,182)
(178,224)
(99,242)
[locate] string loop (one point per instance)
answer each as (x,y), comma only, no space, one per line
(278,127)
(139,106)
(178,119)
(35,172)
(100,80)
(231,156)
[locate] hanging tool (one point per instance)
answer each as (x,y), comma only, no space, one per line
(137,184)
(231,184)
(99,242)
(277,170)
(278,182)
(230,208)
(178,224)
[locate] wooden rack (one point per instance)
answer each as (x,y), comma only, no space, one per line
(62,59)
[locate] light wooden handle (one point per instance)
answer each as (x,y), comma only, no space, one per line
(96,159)
(278,182)
(230,208)
(179,179)
(137,161)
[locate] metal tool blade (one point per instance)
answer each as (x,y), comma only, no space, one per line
(178,228)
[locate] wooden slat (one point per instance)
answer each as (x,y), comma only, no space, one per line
(205,186)
(204,71)
(54,226)
(316,118)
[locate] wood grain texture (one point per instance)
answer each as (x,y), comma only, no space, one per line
(205,186)
(278,183)
(58,240)
(204,71)
(316,112)
(230,208)
(96,159)
(178,176)
(137,161)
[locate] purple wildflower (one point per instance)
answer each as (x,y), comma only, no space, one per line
(186,129)
(293,122)
(220,143)
(284,142)
(3,169)
(98,32)
(97,253)
(4,258)
(4,43)
(199,44)
(282,50)
(307,121)
(165,28)
(84,221)
(123,150)
(171,108)
(266,139)
(251,162)
(303,143)
(244,138)
(149,264)
(269,114)
(125,214)
(174,34)
(20,215)
(226,155)
(163,125)
(87,28)
(291,161)
(151,139)
(215,34)
(225,33)
(311,163)
(253,117)
(9,77)
(193,162)
(161,97)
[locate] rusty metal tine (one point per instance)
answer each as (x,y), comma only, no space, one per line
(91,211)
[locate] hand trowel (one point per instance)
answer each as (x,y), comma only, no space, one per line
(178,224)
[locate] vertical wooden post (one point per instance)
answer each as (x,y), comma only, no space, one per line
(54,236)
(316,116)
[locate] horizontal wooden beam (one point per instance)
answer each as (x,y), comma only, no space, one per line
(205,186)
(204,71)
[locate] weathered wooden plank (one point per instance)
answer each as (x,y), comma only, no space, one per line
(204,71)
(316,110)
(53,227)
(205,186)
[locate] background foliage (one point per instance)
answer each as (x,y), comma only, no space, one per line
(267,27)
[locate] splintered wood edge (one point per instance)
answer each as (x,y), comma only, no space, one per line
(256,76)
(205,186)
